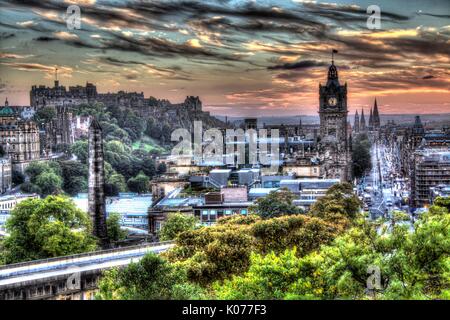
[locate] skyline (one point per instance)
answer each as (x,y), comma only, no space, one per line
(243,58)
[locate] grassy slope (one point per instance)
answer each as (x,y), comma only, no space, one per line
(148,144)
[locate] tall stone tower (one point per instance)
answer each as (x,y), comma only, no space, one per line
(97,209)
(371,120)
(418,131)
(334,144)
(333,107)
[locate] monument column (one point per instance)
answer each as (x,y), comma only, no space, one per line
(97,209)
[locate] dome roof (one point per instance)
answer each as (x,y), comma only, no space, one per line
(7,111)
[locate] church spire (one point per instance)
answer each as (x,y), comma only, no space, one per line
(332,70)
(356,122)
(376,115)
(362,122)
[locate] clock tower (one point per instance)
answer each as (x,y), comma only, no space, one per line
(333,107)
(334,145)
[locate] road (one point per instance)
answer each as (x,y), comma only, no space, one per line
(384,189)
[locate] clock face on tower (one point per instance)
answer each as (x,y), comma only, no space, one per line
(332,101)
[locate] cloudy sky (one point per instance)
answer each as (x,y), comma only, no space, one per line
(243,58)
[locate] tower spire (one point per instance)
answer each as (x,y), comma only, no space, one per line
(356,122)
(56,77)
(362,122)
(376,115)
(333,51)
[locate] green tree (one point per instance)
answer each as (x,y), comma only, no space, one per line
(152,278)
(162,168)
(175,224)
(28,187)
(118,181)
(443,202)
(339,205)
(139,184)
(35,168)
(74,175)
(49,183)
(275,204)
(362,162)
(269,277)
(213,253)
(45,115)
(115,233)
(80,149)
(301,231)
(17,178)
(412,265)
(44,228)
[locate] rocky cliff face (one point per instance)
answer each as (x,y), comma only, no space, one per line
(166,117)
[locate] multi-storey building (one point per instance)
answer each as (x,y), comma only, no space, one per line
(431,169)
(59,131)
(19,138)
(8,203)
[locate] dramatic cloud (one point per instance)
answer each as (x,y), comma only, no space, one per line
(305,64)
(238,56)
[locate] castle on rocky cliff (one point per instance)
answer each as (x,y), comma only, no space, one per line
(178,115)
(59,96)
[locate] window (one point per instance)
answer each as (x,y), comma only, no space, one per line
(243,211)
(228,212)
(213,215)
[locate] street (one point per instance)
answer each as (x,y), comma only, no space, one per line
(384,190)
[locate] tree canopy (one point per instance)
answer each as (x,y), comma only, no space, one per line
(150,278)
(275,204)
(44,228)
(175,224)
(362,162)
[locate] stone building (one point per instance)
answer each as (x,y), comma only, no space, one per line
(431,169)
(97,207)
(5,174)
(42,96)
(59,131)
(334,149)
(19,138)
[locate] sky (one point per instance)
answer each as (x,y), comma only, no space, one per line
(243,58)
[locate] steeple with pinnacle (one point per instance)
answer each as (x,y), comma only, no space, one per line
(362,122)
(376,116)
(356,122)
